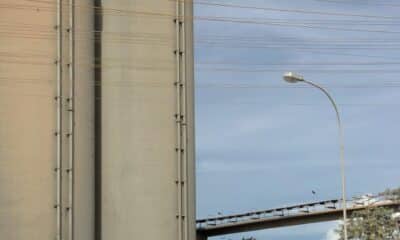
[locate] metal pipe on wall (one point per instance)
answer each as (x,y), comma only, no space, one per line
(178,119)
(58,134)
(184,123)
(71,110)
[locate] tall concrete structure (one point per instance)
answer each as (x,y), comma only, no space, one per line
(147,155)
(96,120)
(46,121)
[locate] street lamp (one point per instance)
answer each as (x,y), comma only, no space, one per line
(294,78)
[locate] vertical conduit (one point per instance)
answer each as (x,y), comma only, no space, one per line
(184,124)
(178,120)
(71,109)
(59,119)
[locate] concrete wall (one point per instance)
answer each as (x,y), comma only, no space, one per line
(142,137)
(142,196)
(28,124)
(84,122)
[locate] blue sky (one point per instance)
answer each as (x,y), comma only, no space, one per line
(262,143)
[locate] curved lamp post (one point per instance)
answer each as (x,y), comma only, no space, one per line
(294,78)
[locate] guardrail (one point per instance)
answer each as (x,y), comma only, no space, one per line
(294,210)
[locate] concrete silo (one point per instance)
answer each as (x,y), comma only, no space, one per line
(46,120)
(147,140)
(96,120)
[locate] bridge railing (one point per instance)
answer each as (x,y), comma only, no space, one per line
(306,208)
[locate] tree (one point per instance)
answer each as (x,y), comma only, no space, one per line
(374,223)
(392,194)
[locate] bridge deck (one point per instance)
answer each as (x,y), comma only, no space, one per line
(280,217)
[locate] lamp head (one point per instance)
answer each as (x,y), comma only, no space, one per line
(292,77)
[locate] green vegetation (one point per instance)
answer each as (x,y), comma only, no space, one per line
(374,223)
(392,194)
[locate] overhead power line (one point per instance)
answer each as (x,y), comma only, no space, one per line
(360,3)
(17,81)
(250,21)
(222,19)
(210,3)
(291,10)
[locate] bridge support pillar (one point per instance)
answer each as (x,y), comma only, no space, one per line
(201,236)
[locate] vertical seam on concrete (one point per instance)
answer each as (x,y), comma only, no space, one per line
(97,117)
(190,119)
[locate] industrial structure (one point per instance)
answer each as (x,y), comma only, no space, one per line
(97,125)
(96,120)
(305,213)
